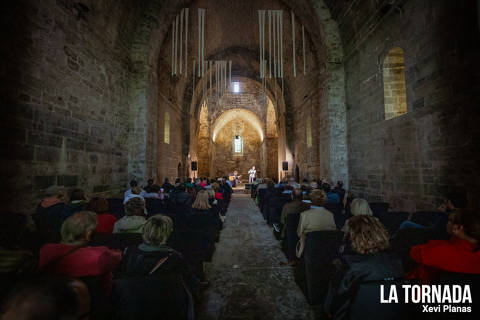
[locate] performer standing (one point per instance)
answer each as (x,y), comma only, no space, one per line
(252,173)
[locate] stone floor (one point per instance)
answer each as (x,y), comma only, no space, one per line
(247,278)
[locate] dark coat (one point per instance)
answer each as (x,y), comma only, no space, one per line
(361,276)
(161,295)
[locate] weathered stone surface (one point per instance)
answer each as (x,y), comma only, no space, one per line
(247,278)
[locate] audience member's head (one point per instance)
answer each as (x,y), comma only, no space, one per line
(339,184)
(136,190)
(48,298)
(157,230)
(133,183)
(314,185)
(326,187)
(98,205)
(297,194)
(464,224)
(181,187)
(318,197)
(201,201)
(54,191)
(360,206)
(150,182)
(270,185)
(166,180)
(215,186)
(135,207)
(77,194)
(78,228)
(367,234)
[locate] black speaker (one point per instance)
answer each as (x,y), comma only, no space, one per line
(285,165)
(194,165)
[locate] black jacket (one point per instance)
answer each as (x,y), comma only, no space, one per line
(360,278)
(161,295)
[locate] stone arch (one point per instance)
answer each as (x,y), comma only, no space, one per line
(241,114)
(145,60)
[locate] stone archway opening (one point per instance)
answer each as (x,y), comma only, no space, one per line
(238,131)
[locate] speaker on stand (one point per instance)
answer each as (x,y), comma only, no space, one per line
(194,166)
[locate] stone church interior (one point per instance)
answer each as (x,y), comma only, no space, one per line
(249,159)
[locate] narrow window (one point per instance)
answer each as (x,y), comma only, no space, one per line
(394,88)
(166,133)
(236,87)
(309,131)
(237,145)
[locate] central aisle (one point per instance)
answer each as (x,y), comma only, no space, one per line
(247,280)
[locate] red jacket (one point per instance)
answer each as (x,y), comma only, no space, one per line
(453,255)
(105,223)
(87,261)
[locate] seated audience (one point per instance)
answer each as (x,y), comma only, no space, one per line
(152,273)
(358,207)
(201,208)
(134,218)
(189,183)
(296,206)
(459,254)
(48,298)
(53,196)
(78,201)
(133,184)
(180,196)
(332,197)
(371,262)
(136,192)
(74,258)
(216,188)
(293,183)
(148,187)
(48,215)
(339,190)
(105,220)
(167,186)
(453,201)
(154,192)
(156,232)
(316,219)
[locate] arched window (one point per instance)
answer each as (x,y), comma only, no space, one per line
(394,89)
(237,145)
(309,131)
(166,133)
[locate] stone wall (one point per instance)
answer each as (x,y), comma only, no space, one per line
(80,94)
(67,119)
(225,162)
(414,159)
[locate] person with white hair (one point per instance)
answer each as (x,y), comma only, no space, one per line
(358,207)
(73,257)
